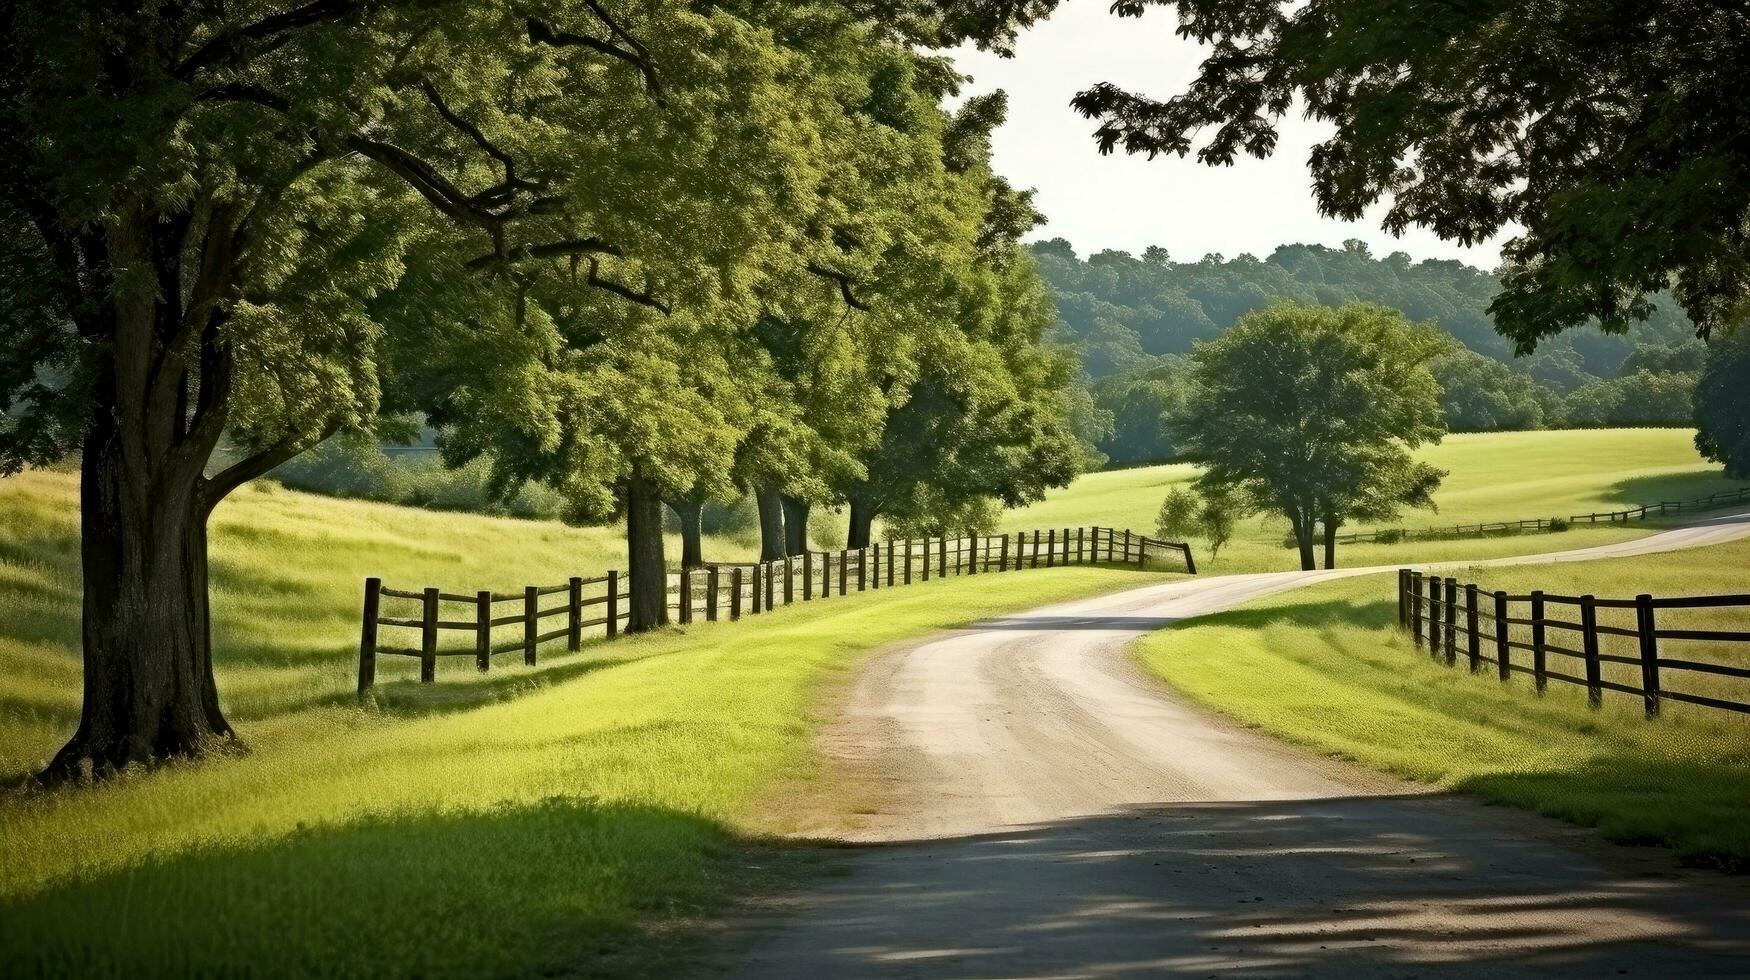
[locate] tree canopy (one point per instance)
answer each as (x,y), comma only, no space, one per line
(1610,132)
(1311,412)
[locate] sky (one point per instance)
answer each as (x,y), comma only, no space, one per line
(1129,203)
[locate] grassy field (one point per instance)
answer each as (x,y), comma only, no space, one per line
(1327,666)
(529,823)
(1491,477)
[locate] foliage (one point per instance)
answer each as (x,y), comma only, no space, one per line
(1641,398)
(1611,133)
(1722,404)
(1138,402)
(1187,514)
(1178,514)
(1311,412)
(932,515)
(1479,394)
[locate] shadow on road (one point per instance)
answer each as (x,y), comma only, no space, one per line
(1353,887)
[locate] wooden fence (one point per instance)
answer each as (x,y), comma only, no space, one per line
(1724,498)
(1621,645)
(712,592)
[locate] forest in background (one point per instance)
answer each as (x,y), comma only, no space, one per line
(1132,318)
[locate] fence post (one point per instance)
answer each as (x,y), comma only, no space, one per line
(368,635)
(1416,607)
(844,570)
(428,637)
(1503,655)
(613,603)
(711,582)
(925,564)
(977,558)
(1538,658)
(890,563)
(941,558)
(1644,623)
(753,608)
(1470,626)
(1436,611)
(1403,597)
(483,630)
(685,595)
(789,579)
(807,575)
(873,552)
(907,561)
(1003,554)
(1589,636)
(1081,555)
(1451,621)
(1033,554)
(531,623)
(735,593)
(862,568)
(1066,546)
(771,585)
(574,615)
(1050,547)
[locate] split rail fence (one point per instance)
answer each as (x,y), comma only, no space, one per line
(1629,646)
(522,621)
(1664,508)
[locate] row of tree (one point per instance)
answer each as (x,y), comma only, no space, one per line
(636,252)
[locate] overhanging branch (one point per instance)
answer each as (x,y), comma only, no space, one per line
(266,34)
(844,284)
(633,53)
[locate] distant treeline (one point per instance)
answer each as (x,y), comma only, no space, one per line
(1131,318)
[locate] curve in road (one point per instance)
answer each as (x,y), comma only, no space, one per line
(1062,814)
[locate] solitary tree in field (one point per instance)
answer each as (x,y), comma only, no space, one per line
(1613,131)
(1311,412)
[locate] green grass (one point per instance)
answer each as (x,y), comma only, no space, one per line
(464,828)
(1327,667)
(1491,477)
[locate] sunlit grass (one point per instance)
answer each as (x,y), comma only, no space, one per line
(463,828)
(1327,667)
(1491,477)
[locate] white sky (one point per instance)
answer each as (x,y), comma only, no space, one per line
(1129,203)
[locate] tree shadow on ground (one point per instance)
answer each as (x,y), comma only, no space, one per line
(1639,490)
(1367,887)
(553,888)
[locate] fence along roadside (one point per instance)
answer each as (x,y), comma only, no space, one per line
(1430,606)
(715,591)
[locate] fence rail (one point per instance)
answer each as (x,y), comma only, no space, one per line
(1487,627)
(508,622)
(1640,512)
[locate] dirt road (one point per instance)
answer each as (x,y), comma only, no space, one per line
(1045,810)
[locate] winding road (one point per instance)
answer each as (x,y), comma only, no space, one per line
(1044,809)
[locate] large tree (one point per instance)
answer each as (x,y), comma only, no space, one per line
(1310,412)
(214,214)
(1612,131)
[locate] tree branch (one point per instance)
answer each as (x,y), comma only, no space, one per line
(844,283)
(266,34)
(218,486)
(567,247)
(646,298)
(634,53)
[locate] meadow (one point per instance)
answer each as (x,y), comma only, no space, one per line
(573,818)
(1490,477)
(1328,667)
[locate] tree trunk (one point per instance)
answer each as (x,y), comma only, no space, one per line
(692,518)
(648,571)
(771,525)
(795,525)
(148,670)
(1331,525)
(1303,537)
(862,521)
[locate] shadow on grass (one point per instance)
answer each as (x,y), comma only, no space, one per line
(1672,486)
(552,888)
(1367,886)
